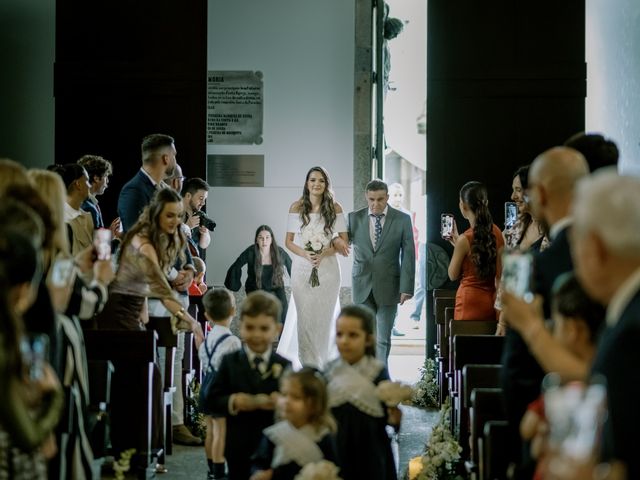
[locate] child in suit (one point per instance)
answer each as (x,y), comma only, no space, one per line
(246,386)
(219,308)
(364,447)
(305,435)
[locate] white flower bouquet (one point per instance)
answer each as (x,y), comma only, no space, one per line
(394,393)
(442,456)
(315,240)
(322,470)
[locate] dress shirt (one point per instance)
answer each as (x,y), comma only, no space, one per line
(262,368)
(560,225)
(622,297)
(372,224)
(157,185)
(70,213)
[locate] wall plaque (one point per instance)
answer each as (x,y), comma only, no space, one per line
(234,107)
(235,170)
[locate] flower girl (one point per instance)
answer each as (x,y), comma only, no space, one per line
(364,447)
(305,435)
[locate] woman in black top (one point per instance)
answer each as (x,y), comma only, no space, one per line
(265,262)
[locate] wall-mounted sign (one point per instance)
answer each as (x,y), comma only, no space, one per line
(235,170)
(234,107)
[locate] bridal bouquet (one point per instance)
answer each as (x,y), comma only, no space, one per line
(314,240)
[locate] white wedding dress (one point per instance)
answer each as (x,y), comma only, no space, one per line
(308,337)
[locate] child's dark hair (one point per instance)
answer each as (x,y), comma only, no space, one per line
(367,319)
(219,304)
(570,300)
(261,303)
(483,248)
(314,389)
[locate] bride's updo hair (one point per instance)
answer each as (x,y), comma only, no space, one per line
(327,207)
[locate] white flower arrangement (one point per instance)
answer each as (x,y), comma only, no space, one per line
(315,240)
(394,393)
(442,455)
(322,470)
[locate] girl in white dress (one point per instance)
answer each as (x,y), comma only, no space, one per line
(314,220)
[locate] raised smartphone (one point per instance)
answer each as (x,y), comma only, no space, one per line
(61,272)
(517,271)
(510,214)
(446,225)
(102,243)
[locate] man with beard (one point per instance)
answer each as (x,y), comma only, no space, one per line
(158,162)
(194,195)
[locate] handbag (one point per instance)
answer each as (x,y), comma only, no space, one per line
(210,376)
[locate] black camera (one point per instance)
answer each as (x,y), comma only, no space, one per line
(205,221)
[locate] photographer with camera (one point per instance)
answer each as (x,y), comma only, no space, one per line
(194,195)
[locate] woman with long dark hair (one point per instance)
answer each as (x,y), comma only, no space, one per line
(476,256)
(314,221)
(266,263)
(526,234)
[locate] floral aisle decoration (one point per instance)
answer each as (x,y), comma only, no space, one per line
(195,419)
(123,465)
(315,240)
(441,459)
(427,391)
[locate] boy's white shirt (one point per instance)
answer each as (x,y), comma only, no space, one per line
(230,344)
(295,444)
(354,384)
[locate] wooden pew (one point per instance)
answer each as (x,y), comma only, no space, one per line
(167,340)
(473,376)
(463,327)
(469,349)
(486,405)
(100,373)
(491,447)
(133,401)
(441,300)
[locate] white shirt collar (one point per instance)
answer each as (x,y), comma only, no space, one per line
(384,212)
(265,357)
(162,184)
(70,213)
(622,297)
(560,225)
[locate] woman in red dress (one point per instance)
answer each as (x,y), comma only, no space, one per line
(476,256)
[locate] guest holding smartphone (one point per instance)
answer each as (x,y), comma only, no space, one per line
(476,256)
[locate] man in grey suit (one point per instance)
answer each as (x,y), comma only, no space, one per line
(384,260)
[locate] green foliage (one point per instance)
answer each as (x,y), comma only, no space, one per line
(194,419)
(426,390)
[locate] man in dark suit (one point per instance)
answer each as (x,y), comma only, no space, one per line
(246,380)
(606,248)
(552,178)
(158,162)
(384,260)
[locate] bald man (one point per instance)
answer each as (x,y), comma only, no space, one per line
(552,178)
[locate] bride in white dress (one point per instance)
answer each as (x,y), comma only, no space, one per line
(314,221)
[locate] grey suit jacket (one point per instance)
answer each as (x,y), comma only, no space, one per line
(390,269)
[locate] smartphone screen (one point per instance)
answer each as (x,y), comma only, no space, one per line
(102,243)
(517,270)
(61,272)
(446,225)
(510,214)
(35,351)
